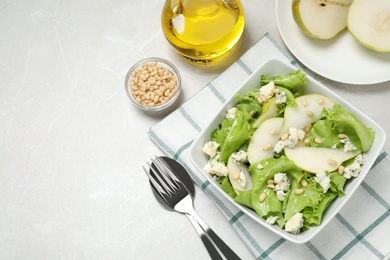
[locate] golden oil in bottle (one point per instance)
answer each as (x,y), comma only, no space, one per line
(203,32)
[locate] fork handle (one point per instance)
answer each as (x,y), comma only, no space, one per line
(213,252)
(223,247)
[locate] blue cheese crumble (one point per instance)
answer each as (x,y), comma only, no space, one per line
(323,180)
(282,184)
(268,90)
(242,179)
(231,113)
(210,148)
(215,167)
(348,145)
(355,168)
(294,135)
(239,157)
(294,224)
(281,98)
(272,219)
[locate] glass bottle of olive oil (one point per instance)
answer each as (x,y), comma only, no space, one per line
(203,32)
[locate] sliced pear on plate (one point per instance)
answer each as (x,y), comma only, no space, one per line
(239,176)
(269,111)
(264,139)
(317,159)
(369,23)
(321,19)
(308,110)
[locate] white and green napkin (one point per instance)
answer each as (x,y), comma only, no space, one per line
(361,230)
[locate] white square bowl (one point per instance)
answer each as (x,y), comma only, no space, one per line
(272,68)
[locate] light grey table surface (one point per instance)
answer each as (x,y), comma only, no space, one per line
(72,145)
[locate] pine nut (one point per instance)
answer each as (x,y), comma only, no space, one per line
(342,136)
(272,131)
(331,162)
(309,113)
(308,128)
(304,183)
(236,176)
(152,80)
(320,101)
(276,90)
(143,77)
(341,170)
(303,101)
(262,197)
(270,181)
(284,137)
(267,147)
(271,186)
(318,140)
(299,191)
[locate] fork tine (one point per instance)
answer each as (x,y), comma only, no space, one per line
(155,185)
(160,179)
(169,177)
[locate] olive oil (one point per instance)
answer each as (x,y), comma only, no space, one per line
(203,32)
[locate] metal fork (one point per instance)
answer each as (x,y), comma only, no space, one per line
(177,197)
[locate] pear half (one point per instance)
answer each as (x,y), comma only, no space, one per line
(321,19)
(369,23)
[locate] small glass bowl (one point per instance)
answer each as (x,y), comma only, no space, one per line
(165,64)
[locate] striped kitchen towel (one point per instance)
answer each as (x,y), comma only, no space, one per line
(350,235)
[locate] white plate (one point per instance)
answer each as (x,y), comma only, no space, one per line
(275,67)
(340,59)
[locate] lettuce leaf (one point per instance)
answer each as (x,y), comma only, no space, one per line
(323,129)
(232,134)
(337,183)
(345,122)
(226,186)
(270,166)
(294,80)
(313,216)
(310,198)
(244,198)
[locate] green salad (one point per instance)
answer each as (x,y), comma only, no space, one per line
(286,154)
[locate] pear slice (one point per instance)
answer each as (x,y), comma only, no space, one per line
(269,111)
(308,111)
(264,139)
(321,19)
(235,171)
(369,23)
(317,159)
